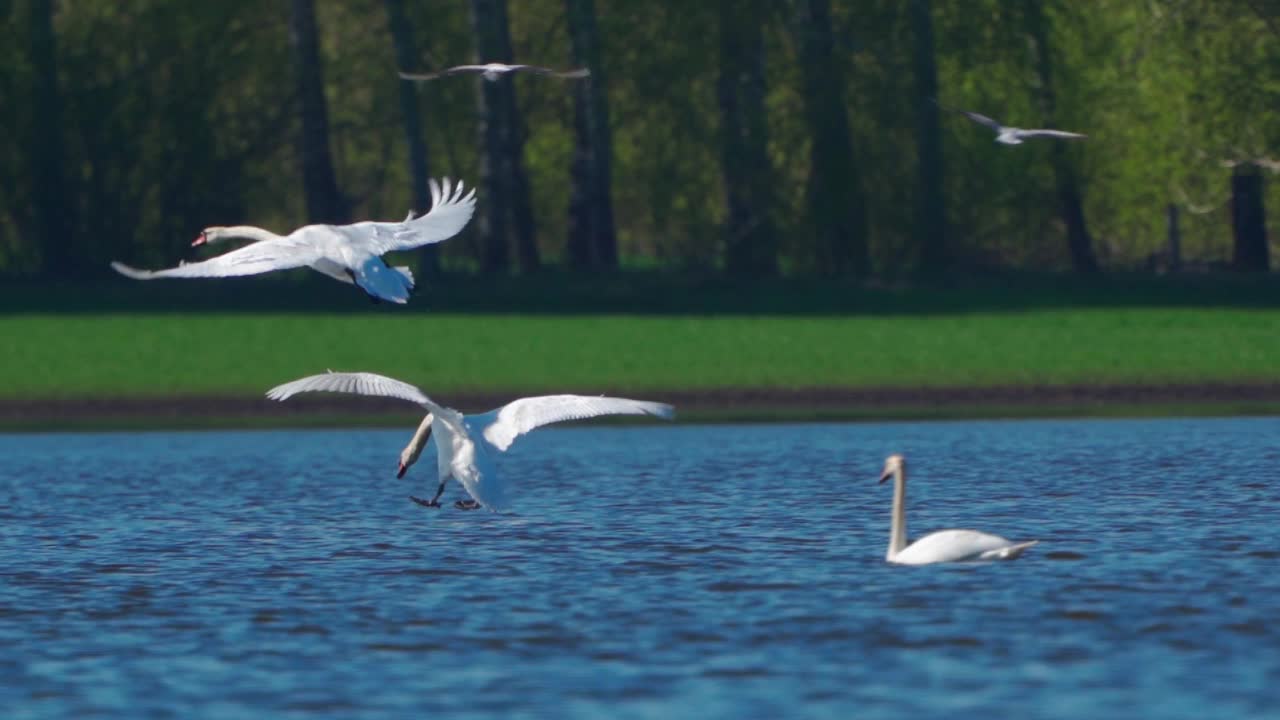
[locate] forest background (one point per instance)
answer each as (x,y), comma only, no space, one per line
(729,156)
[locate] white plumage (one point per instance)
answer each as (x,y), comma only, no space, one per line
(349,253)
(503,425)
(359,383)
(460,455)
(1012,135)
(943,545)
(493,71)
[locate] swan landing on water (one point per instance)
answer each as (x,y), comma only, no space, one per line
(349,253)
(463,442)
(941,546)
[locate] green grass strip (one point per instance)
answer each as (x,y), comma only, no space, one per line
(142,354)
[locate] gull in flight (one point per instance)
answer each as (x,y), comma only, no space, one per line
(349,253)
(463,443)
(493,71)
(943,545)
(1012,135)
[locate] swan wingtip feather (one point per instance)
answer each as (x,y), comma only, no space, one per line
(664,411)
(129,271)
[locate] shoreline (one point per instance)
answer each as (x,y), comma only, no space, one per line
(709,405)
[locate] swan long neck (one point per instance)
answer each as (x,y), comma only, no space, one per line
(247,232)
(419,441)
(898,525)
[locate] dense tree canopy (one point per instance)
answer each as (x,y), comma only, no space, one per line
(127,127)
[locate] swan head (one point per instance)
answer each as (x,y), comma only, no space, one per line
(407,458)
(410,454)
(892,464)
(208,235)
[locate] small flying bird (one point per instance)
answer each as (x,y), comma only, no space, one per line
(493,71)
(1011,135)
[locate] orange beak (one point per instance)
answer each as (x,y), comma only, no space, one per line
(200,240)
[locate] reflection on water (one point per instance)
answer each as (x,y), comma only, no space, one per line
(649,572)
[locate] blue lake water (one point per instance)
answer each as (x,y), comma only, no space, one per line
(648,572)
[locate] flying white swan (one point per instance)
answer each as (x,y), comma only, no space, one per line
(460,452)
(349,253)
(493,71)
(1012,135)
(941,546)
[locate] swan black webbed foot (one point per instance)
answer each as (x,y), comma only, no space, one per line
(467,505)
(433,502)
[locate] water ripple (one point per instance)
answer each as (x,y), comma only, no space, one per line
(267,576)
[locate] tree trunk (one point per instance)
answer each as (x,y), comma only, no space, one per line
(1249,219)
(1174,238)
(495,256)
(593,239)
(836,203)
(1079,242)
(402,40)
(931,220)
(502,135)
(54,226)
(492,220)
(750,241)
(521,195)
(325,203)
(578,243)
(526,230)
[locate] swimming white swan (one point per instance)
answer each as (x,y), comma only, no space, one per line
(1012,135)
(349,253)
(941,546)
(460,455)
(493,71)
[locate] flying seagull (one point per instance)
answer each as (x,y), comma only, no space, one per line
(464,443)
(493,71)
(1011,135)
(349,253)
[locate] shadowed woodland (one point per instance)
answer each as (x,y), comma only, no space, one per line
(752,138)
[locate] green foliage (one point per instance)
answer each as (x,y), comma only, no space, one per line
(179,115)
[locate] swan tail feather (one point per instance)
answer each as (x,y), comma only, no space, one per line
(383,283)
(407,273)
(1011,551)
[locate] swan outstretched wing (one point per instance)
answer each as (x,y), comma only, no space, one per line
(357,383)
(1050,133)
(260,257)
(455,70)
(504,425)
(538,70)
(981,119)
(451,209)
(976,117)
